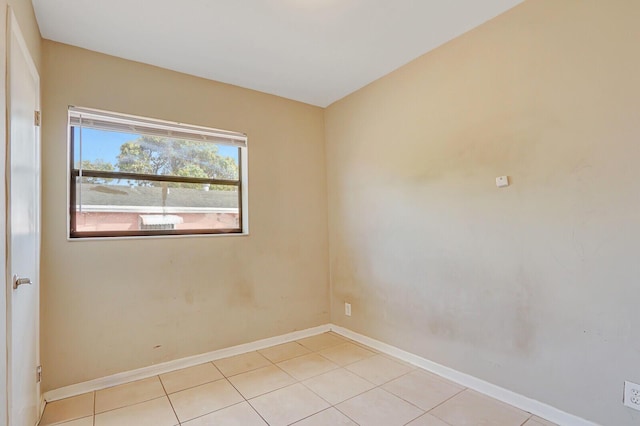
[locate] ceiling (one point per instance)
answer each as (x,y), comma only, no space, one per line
(313,51)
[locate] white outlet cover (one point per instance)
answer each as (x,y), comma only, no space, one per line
(502,181)
(632,395)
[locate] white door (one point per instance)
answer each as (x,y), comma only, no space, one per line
(23,229)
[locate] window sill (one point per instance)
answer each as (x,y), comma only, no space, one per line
(155,237)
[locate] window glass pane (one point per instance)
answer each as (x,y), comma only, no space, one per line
(132,205)
(126,152)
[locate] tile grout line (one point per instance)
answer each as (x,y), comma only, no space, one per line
(338,367)
(257,412)
(343,367)
(240,393)
(528,418)
(130,404)
(321,411)
(214,366)
(380,386)
(345,414)
(194,386)
(225,378)
(409,402)
(361,393)
(435,417)
(214,411)
(334,405)
(254,408)
(375,384)
(265,393)
(298,381)
(169,399)
(125,406)
(402,399)
(286,359)
(446,400)
(243,372)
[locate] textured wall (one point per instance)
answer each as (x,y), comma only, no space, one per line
(533,287)
(112,306)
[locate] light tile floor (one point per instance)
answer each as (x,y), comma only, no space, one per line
(324,380)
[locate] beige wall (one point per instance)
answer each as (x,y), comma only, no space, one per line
(533,287)
(112,306)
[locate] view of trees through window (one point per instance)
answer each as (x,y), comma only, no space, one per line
(127,183)
(153,155)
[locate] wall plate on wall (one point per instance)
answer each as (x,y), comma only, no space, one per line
(502,181)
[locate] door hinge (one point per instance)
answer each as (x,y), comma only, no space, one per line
(36,118)
(38,374)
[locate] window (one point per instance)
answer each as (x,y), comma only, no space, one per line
(134,176)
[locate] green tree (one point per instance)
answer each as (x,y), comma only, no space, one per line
(97,164)
(176,157)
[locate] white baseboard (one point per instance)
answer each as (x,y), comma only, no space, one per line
(166,367)
(532,406)
(522,402)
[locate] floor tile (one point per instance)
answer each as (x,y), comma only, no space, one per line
(427,420)
(321,341)
(378,369)
(261,381)
(399,361)
(346,353)
(362,345)
(128,394)
(237,415)
(157,412)
(328,417)
(470,408)
(288,405)
(204,399)
(333,370)
(338,385)
(68,409)
(537,421)
(306,366)
(85,421)
(378,407)
(423,389)
(190,377)
(241,363)
(284,352)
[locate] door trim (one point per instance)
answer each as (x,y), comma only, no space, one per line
(4,405)
(13,30)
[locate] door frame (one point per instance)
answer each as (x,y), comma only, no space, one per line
(4,382)
(13,30)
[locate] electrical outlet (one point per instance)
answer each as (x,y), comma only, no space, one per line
(632,395)
(347,309)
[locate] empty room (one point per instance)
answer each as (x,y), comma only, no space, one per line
(320,212)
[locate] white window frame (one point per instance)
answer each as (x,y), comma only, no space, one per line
(100,119)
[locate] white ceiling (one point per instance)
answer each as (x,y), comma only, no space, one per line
(314,51)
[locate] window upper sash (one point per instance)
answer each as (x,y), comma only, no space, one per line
(102,120)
